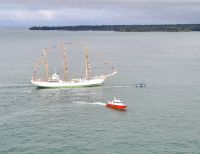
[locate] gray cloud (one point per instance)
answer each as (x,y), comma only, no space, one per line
(70,12)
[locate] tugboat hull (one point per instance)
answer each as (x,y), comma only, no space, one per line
(119,107)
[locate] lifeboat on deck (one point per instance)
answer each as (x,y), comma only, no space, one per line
(116,104)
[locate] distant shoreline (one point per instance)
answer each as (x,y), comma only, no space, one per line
(125,28)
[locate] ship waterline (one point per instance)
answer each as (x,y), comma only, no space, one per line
(69,84)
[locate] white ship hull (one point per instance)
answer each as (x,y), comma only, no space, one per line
(68,84)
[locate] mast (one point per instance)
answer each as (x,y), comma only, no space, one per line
(34,73)
(87,65)
(43,60)
(46,70)
(46,63)
(65,65)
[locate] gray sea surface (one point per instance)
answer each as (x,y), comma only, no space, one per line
(162,118)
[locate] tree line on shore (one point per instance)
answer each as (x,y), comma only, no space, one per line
(124,28)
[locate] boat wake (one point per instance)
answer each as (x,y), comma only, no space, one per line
(118,86)
(136,85)
(99,103)
(89,103)
(14,86)
(27,92)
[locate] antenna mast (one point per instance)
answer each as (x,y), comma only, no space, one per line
(65,65)
(45,62)
(87,65)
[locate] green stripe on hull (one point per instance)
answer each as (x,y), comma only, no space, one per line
(94,85)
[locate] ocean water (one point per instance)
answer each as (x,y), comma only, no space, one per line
(163,117)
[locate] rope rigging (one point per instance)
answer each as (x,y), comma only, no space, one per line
(43,60)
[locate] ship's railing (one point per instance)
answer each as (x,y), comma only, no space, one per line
(43,79)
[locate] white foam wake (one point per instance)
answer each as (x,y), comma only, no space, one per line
(99,103)
(89,103)
(118,87)
(27,92)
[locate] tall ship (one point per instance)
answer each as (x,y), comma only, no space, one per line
(55,81)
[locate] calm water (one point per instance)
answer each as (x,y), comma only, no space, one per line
(163,117)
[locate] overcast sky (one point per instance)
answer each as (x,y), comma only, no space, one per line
(98,12)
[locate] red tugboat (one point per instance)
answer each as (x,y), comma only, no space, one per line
(116,104)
